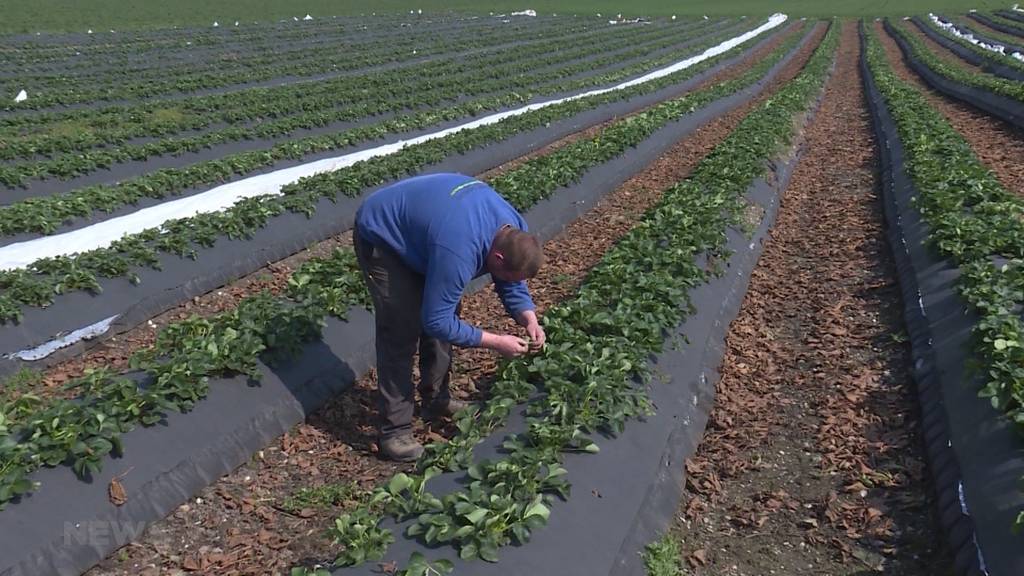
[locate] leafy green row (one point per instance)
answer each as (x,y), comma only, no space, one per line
(103,48)
(989,82)
(37,284)
(975,222)
(1003,59)
(599,343)
(997,17)
(502,72)
(248,57)
(332,59)
(114,124)
(35,433)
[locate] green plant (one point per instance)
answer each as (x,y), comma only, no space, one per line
(419,566)
(360,537)
(662,557)
(324,496)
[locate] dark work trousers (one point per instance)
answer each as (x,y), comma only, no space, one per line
(397,294)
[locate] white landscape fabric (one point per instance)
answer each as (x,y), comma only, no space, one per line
(216,199)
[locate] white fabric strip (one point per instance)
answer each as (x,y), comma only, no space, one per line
(216,199)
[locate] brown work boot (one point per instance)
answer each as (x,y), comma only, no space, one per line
(402,448)
(443,409)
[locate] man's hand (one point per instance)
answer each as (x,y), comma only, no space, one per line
(528,319)
(505,344)
(536,334)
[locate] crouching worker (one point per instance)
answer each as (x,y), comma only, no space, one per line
(419,242)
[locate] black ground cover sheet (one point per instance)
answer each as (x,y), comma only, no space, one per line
(975,456)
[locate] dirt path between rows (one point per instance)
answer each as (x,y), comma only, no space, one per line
(241,524)
(811,463)
(999,145)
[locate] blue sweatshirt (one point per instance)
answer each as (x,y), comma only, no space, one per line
(442,226)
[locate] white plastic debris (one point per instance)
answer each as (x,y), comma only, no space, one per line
(308,17)
(524,13)
(295,18)
(705,16)
(1016,8)
(89,31)
(673,16)
(216,24)
(419,10)
(236,22)
(101,234)
(21,97)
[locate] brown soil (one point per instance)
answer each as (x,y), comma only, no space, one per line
(115,352)
(999,145)
(236,526)
(812,462)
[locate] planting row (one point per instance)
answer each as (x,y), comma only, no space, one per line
(350,99)
(93,61)
(114,117)
(975,223)
(163,118)
(49,432)
(327,61)
(43,49)
(39,283)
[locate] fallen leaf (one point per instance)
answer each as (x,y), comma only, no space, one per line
(117,494)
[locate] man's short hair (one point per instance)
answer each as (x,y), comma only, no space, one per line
(522,251)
